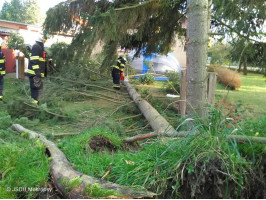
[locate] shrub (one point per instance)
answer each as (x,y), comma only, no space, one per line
(173,83)
(147,79)
(226,76)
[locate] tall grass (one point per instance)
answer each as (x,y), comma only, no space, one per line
(23,163)
(163,164)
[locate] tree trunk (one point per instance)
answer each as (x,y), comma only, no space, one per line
(197,34)
(245,71)
(237,138)
(156,121)
(239,66)
(62,173)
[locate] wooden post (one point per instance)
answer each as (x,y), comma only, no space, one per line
(183,93)
(212,77)
(21,67)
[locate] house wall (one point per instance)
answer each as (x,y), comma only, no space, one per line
(180,53)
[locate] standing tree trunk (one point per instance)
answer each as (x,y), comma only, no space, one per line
(239,66)
(245,70)
(197,34)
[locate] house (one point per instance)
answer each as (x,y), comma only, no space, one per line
(25,30)
(29,34)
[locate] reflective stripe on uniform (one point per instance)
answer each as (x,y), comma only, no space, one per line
(31,72)
(34,57)
(41,59)
(116,85)
(116,67)
(2,72)
(1,97)
(35,67)
(35,102)
(119,61)
(122,65)
(42,74)
(2,60)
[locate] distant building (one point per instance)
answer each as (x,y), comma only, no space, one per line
(29,34)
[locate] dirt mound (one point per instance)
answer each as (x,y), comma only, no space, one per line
(100,143)
(209,182)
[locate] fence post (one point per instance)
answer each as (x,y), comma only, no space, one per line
(21,67)
(212,77)
(183,93)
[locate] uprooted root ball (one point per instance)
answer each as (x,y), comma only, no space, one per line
(100,143)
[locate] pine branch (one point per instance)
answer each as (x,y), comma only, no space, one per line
(233,30)
(134,6)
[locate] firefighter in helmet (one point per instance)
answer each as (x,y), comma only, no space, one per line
(36,69)
(117,72)
(2,70)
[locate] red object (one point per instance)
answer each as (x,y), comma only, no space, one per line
(121,76)
(10,59)
(44,55)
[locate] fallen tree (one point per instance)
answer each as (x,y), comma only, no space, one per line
(156,121)
(73,184)
(237,138)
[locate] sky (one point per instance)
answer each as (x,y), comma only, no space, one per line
(44,4)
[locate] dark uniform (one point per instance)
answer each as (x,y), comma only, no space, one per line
(2,72)
(116,72)
(36,70)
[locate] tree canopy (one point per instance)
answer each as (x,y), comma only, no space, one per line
(149,25)
(241,24)
(27,11)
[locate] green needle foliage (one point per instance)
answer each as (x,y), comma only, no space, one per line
(129,24)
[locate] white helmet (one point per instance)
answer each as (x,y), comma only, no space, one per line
(39,39)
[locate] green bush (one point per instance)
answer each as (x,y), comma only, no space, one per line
(146,79)
(173,83)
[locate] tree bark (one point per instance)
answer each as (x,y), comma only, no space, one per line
(239,66)
(60,170)
(237,138)
(156,121)
(246,139)
(197,37)
(245,70)
(183,94)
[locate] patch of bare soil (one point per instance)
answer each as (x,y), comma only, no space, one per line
(133,146)
(100,143)
(208,181)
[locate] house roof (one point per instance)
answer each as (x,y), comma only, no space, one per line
(18,23)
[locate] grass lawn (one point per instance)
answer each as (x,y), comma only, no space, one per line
(251,95)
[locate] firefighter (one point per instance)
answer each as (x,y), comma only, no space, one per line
(117,72)
(36,69)
(2,71)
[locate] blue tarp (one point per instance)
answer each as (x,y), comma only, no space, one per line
(155,78)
